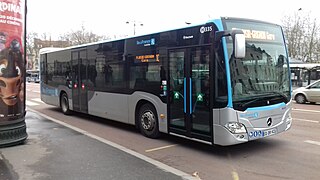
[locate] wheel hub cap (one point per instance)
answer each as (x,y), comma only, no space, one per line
(147,121)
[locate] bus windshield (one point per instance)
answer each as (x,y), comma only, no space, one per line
(261,78)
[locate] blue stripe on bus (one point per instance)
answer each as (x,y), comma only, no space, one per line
(224,43)
(267,108)
(218,23)
(225,52)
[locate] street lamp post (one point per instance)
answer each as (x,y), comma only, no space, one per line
(134,25)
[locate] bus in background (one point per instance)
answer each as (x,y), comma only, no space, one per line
(224,82)
(33,76)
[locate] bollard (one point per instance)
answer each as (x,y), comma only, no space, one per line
(12,72)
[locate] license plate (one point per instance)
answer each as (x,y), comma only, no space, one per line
(261,133)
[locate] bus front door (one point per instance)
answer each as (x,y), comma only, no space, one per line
(79,79)
(189,100)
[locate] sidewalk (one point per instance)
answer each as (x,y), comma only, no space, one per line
(53,151)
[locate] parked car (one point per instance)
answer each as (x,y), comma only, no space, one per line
(310,93)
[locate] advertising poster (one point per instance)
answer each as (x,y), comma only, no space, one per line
(12,61)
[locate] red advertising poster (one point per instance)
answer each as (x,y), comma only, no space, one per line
(12,61)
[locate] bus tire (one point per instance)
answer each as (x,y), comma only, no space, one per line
(148,121)
(64,104)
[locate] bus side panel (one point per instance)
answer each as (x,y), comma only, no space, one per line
(49,94)
(69,94)
(109,105)
(161,108)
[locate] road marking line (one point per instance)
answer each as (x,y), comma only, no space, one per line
(306,120)
(312,142)
(37,100)
(29,103)
(121,148)
(235,175)
(306,110)
(29,90)
(159,148)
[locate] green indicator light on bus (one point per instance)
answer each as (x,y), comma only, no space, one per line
(200,97)
(175,95)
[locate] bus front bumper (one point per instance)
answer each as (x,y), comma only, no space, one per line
(223,137)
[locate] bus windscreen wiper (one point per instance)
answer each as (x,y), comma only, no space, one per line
(272,95)
(276,95)
(253,101)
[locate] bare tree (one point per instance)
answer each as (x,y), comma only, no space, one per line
(293,29)
(311,41)
(317,50)
(31,49)
(30,42)
(34,44)
(301,33)
(81,36)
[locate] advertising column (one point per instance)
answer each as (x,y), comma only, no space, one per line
(12,72)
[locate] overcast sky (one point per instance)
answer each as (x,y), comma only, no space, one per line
(105,17)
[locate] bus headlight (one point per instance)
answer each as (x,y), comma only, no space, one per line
(236,128)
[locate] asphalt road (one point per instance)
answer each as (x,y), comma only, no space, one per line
(291,155)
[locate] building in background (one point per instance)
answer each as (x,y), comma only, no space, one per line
(33,58)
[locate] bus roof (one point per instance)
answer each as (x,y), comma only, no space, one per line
(53,49)
(49,49)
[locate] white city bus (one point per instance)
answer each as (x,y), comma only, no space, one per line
(223,82)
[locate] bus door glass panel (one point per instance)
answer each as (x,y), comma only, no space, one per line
(177,88)
(83,81)
(75,81)
(200,78)
(80,81)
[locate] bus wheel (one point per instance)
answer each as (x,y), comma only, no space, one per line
(300,99)
(148,121)
(64,104)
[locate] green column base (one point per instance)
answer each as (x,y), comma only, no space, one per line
(13,134)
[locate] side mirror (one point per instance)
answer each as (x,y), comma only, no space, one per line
(239,46)
(238,39)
